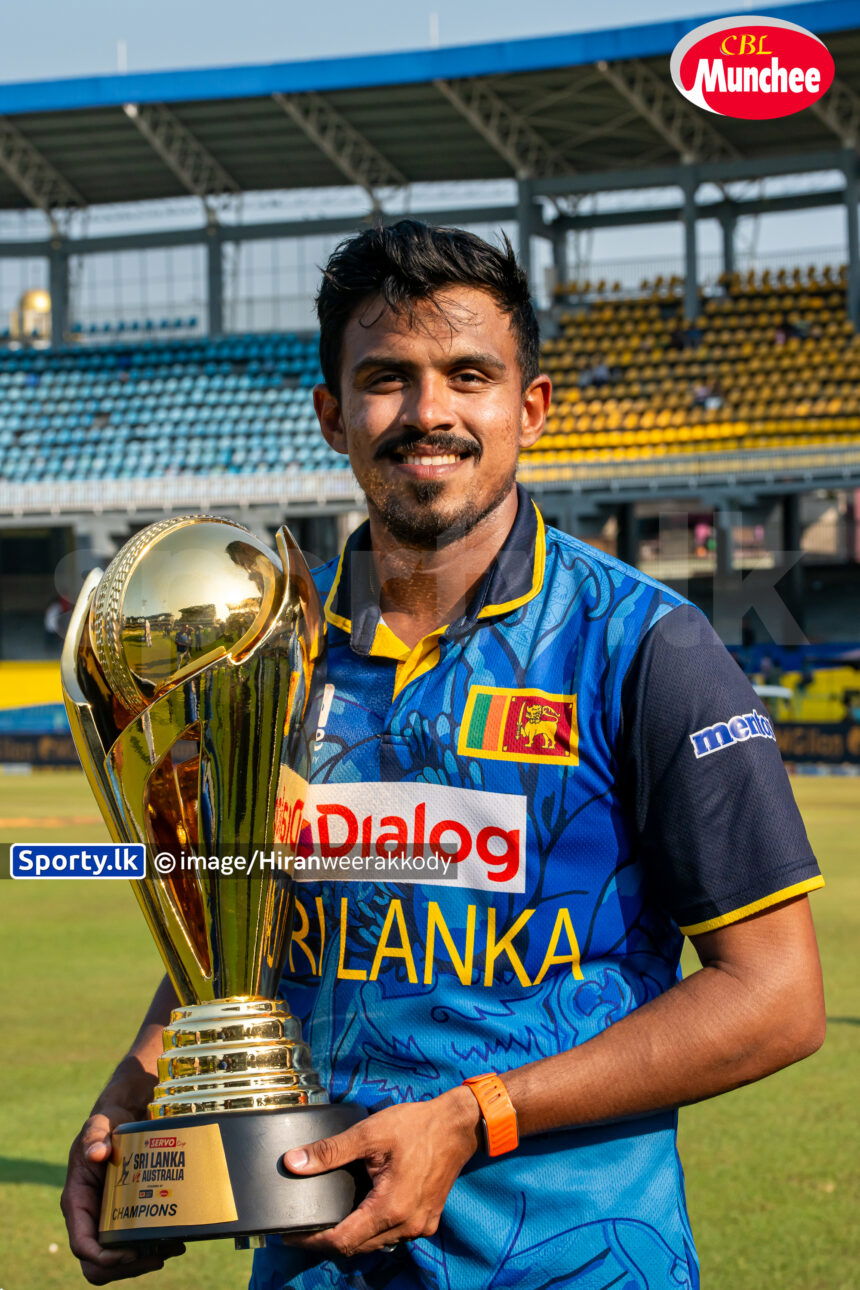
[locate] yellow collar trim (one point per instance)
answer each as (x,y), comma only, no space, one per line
(537,575)
(344,623)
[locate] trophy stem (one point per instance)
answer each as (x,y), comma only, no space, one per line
(240,1054)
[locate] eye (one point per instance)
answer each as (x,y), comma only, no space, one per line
(470,377)
(385,378)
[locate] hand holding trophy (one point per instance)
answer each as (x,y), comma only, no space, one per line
(193,723)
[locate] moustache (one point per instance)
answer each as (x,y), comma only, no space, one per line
(442,444)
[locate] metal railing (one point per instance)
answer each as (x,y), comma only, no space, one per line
(338,489)
(687,469)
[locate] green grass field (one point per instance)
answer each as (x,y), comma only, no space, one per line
(772,1170)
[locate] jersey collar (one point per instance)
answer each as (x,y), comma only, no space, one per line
(514,577)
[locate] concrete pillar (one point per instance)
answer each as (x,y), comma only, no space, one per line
(852,197)
(559,257)
(627,543)
(852,519)
(525,226)
(728,224)
(214,281)
(691,260)
(58,285)
(792,535)
(723,525)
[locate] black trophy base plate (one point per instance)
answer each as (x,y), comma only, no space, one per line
(200,1177)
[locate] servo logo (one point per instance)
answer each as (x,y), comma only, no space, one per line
(752,67)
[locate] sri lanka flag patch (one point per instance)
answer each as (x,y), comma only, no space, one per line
(520,725)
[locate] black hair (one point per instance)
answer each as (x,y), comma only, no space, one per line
(409,261)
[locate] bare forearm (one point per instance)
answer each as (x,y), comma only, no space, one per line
(724,1026)
(134,1077)
(699,1039)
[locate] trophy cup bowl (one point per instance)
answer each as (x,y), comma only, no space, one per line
(191,674)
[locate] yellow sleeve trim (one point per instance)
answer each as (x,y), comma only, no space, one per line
(798,889)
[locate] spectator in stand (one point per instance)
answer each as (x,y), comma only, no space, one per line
(769,671)
(597,373)
(785,331)
(707,393)
(702,391)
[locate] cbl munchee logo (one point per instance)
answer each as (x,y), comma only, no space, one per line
(752,67)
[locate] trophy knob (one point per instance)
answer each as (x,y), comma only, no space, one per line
(177,596)
(181,594)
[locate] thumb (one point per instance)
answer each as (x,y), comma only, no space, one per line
(96,1138)
(327,1153)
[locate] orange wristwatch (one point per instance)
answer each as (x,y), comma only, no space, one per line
(500,1118)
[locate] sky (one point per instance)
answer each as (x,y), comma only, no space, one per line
(79,37)
(60,38)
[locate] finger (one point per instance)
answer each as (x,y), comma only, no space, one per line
(81,1205)
(370,1220)
(327,1153)
(96,1138)
(100,1276)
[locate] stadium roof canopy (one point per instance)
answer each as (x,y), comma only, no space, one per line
(553,110)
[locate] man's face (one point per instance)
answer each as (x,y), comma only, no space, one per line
(432,412)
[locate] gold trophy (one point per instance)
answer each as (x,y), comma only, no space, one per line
(191,674)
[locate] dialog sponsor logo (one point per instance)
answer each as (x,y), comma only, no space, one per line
(480,837)
(752,67)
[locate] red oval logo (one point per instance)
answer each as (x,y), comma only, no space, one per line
(752,67)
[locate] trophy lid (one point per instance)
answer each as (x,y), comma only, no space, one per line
(180,594)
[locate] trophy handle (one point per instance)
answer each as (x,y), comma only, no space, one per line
(80,711)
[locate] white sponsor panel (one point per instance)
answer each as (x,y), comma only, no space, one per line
(458,837)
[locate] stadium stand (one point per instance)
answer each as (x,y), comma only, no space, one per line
(237,405)
(771,362)
(727,407)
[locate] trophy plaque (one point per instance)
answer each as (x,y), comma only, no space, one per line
(191,673)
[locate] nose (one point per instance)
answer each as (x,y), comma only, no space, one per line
(428,404)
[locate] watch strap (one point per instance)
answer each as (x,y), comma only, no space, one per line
(497,1110)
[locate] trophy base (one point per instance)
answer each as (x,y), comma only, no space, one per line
(200,1177)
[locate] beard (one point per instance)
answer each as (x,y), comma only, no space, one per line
(418,522)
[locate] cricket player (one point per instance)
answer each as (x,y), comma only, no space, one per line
(571,747)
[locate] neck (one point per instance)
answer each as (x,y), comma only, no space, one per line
(423,589)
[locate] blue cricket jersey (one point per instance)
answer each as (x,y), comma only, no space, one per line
(593,777)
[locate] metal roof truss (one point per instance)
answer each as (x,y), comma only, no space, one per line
(347,148)
(39,181)
(686,129)
(191,162)
(840,112)
(506,130)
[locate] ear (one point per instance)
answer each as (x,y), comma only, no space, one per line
(327,409)
(536,401)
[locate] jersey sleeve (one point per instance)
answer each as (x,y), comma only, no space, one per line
(713,813)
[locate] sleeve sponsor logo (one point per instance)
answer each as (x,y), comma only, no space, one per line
(736,730)
(754,68)
(519,725)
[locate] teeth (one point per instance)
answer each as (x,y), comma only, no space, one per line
(414,459)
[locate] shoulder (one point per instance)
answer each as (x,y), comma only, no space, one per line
(564,552)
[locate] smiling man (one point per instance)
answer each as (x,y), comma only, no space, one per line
(572,740)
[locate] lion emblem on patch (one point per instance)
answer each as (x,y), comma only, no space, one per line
(538,721)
